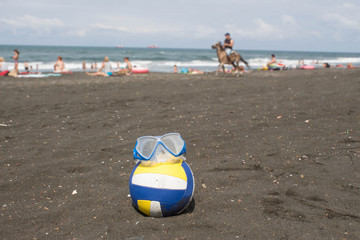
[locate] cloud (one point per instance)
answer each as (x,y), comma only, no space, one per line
(78,33)
(341,21)
(343,29)
(40,25)
(134,28)
(108,27)
(348,5)
(204,31)
(262,30)
(314,33)
(289,20)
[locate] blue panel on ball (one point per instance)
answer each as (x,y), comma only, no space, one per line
(190,180)
(154,194)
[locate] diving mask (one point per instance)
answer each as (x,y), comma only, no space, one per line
(161,148)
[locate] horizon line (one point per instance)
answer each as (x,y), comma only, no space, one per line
(159,48)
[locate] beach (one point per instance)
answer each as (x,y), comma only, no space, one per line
(275,155)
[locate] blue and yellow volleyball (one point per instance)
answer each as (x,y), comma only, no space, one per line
(162,190)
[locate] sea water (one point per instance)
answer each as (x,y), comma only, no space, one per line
(43,58)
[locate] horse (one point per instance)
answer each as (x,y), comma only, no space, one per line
(225,59)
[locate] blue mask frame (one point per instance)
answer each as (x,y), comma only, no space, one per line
(139,156)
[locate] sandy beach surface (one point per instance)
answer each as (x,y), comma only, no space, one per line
(275,155)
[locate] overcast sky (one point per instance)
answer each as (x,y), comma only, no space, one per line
(307,25)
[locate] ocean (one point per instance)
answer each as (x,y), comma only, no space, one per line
(42,58)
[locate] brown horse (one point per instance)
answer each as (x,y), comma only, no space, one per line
(223,58)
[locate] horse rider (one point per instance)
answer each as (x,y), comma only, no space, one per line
(228,44)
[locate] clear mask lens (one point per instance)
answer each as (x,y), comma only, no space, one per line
(161,154)
(173,142)
(160,149)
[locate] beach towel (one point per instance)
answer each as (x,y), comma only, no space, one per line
(4,73)
(42,75)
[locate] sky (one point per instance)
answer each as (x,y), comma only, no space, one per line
(307,25)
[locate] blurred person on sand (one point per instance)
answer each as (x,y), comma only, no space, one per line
(191,71)
(59,66)
(15,71)
(3,67)
(326,65)
(350,66)
(274,65)
(272,61)
(104,70)
(128,67)
(195,71)
(26,66)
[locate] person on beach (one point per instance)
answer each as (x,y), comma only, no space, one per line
(3,67)
(84,66)
(26,66)
(15,71)
(175,69)
(326,65)
(128,67)
(195,71)
(191,71)
(272,61)
(104,70)
(350,66)
(228,44)
(59,66)
(273,65)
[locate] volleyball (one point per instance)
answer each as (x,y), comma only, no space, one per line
(162,190)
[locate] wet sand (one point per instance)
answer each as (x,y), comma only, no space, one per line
(275,155)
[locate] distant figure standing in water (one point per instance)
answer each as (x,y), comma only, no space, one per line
(104,70)
(84,66)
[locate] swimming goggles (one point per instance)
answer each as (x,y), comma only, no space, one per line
(147,146)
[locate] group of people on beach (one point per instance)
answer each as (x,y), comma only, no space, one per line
(59,67)
(4,67)
(273,64)
(106,68)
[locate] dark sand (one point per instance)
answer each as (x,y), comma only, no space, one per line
(275,155)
